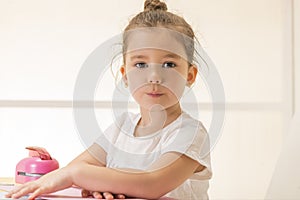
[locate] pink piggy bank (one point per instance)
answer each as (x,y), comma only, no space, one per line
(36,165)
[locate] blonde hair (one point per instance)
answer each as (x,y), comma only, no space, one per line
(155,14)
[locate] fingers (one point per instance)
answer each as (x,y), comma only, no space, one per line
(100,195)
(31,187)
(23,190)
(120,196)
(85,193)
(97,195)
(15,193)
(108,195)
(36,193)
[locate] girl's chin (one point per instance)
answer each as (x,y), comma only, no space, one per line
(153,107)
(156,107)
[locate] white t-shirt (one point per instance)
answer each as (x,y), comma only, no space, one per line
(184,135)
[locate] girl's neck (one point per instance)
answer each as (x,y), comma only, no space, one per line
(157,118)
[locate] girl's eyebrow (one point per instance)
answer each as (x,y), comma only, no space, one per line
(138,57)
(170,55)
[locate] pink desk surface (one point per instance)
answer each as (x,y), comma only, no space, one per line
(67,194)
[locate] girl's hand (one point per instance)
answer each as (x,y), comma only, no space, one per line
(101,195)
(52,182)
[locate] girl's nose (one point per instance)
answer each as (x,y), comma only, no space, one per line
(154,76)
(155,81)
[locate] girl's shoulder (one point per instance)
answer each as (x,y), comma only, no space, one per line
(184,129)
(186,121)
(125,122)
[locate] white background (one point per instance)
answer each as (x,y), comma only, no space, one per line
(44,43)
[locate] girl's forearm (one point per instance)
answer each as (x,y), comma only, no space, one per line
(95,178)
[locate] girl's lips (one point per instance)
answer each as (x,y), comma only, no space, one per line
(154,94)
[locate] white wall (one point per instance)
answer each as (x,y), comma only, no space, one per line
(285,182)
(44,43)
(297,53)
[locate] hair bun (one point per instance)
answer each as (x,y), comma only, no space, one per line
(152,5)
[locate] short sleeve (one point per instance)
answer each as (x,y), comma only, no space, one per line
(192,140)
(98,153)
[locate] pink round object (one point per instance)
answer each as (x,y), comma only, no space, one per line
(32,168)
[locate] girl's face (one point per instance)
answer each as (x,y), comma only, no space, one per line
(157,77)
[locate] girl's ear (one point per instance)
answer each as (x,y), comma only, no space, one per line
(191,76)
(124,77)
(122,70)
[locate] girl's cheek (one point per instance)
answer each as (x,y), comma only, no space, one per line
(175,82)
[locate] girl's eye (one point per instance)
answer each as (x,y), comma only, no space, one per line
(141,65)
(169,65)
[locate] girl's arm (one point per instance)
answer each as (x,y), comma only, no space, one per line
(98,160)
(60,179)
(150,185)
(84,173)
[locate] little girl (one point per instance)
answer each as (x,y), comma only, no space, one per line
(161,151)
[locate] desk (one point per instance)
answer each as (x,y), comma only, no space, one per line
(67,194)
(8,180)
(7,183)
